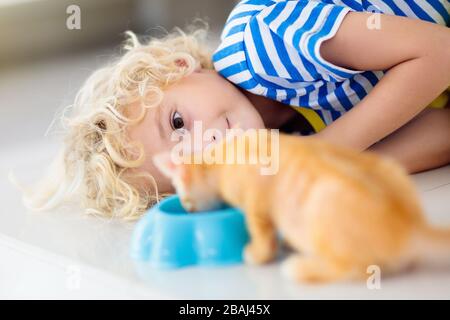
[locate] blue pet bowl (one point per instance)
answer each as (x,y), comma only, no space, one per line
(169,237)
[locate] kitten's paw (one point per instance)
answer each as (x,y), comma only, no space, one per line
(312,270)
(289,267)
(256,255)
(302,269)
(249,255)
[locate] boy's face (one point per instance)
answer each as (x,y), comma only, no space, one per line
(202,96)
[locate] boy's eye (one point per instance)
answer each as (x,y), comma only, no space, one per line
(177,121)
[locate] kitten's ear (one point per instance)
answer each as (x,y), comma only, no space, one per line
(164,163)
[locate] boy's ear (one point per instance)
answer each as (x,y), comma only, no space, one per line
(182,63)
(164,163)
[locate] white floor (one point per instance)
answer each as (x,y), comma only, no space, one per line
(63,254)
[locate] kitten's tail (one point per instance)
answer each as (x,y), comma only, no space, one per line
(433,245)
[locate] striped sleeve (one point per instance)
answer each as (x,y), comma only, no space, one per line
(283,41)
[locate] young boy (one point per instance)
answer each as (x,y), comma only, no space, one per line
(275,57)
(315,54)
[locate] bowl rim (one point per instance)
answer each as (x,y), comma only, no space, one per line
(221,213)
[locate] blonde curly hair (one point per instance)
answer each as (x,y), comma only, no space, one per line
(96,156)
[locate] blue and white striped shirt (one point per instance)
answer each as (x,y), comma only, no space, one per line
(271,48)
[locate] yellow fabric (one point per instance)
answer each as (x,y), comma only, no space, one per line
(317,123)
(312,117)
(442,100)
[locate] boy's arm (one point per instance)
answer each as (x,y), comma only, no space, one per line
(417,55)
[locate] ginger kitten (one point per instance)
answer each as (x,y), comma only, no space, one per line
(342,211)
